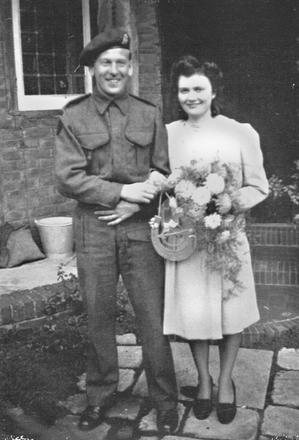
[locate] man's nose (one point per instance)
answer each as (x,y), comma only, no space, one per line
(113,68)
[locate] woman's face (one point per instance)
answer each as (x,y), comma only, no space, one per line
(195,95)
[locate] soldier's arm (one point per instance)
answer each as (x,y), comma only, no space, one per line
(159,158)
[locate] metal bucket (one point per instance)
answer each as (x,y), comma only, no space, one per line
(56,235)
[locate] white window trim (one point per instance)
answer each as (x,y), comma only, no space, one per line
(44,102)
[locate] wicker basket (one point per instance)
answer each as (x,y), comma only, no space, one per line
(177,245)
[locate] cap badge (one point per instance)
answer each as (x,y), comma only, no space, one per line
(125,39)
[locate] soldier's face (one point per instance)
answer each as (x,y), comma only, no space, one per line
(112,70)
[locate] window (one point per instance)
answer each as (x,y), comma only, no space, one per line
(48,38)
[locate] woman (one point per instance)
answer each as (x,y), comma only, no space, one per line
(197,306)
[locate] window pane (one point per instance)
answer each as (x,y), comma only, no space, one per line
(52,39)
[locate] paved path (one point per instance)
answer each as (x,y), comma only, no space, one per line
(260,416)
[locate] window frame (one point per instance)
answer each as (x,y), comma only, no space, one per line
(45,102)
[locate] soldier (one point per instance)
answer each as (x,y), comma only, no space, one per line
(108,144)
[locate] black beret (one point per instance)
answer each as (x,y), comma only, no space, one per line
(114,37)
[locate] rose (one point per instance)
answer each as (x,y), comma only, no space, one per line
(201,195)
(215,183)
(212,221)
(197,212)
(185,189)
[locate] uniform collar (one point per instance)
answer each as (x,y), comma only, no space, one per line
(103,101)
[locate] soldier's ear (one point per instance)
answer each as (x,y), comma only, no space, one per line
(91,70)
(130,72)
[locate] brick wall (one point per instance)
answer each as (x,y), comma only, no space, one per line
(27,184)
(26,147)
(149,50)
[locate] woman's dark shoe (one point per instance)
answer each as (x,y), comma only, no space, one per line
(91,417)
(202,408)
(226,411)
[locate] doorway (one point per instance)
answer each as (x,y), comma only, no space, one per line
(255,43)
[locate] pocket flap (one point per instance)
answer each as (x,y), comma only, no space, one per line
(91,141)
(141,137)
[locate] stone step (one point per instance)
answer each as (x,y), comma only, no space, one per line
(283,273)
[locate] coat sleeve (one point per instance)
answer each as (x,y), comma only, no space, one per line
(159,159)
(70,170)
(255,184)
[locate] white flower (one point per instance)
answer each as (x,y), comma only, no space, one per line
(185,189)
(174,177)
(215,183)
(172,202)
(201,195)
(167,226)
(212,221)
(223,236)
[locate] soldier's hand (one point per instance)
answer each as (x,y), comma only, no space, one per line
(122,211)
(140,192)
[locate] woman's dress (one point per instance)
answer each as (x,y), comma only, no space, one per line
(195,304)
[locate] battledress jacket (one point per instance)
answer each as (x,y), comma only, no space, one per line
(102,144)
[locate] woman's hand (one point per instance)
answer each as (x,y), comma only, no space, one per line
(158,180)
(224,204)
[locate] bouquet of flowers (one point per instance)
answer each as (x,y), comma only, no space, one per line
(198,205)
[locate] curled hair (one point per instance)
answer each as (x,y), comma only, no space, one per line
(187,66)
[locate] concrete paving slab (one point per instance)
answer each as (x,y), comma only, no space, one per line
(141,389)
(35,274)
(244,426)
(125,432)
(151,438)
(286,388)
(129,356)
(126,379)
(174,437)
(279,420)
(288,358)
(251,372)
(126,339)
(126,408)
(67,429)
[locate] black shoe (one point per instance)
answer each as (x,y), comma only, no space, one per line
(202,408)
(167,421)
(91,417)
(226,411)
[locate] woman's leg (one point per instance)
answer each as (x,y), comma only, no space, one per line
(228,350)
(200,351)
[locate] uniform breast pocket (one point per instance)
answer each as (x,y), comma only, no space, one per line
(139,149)
(95,147)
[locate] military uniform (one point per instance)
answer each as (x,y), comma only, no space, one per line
(102,144)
